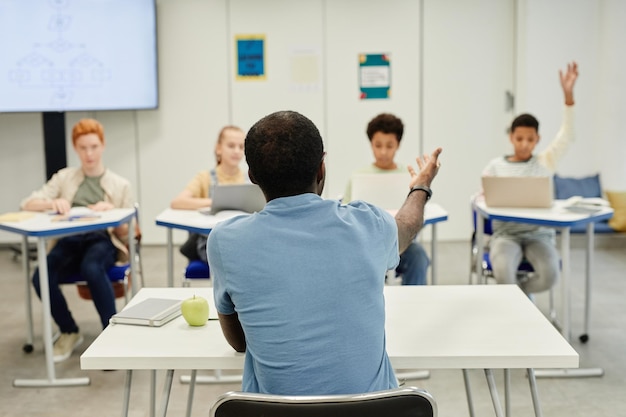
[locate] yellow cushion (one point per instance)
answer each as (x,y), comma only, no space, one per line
(617,199)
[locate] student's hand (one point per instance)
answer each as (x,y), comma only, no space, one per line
(101,206)
(568,79)
(61,205)
(428,168)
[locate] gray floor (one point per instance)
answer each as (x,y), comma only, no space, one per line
(572,397)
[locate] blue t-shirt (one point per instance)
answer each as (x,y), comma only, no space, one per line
(313,314)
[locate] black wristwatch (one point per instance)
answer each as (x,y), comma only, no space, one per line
(428,191)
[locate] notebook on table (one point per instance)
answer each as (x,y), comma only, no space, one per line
(242,197)
(154,312)
(524,192)
(385,190)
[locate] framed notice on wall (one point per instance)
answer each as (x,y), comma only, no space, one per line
(250,53)
(374,76)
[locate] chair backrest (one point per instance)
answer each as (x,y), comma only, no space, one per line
(399,402)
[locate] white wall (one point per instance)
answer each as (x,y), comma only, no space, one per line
(551,35)
(467,65)
(355,27)
(177,140)
(591,33)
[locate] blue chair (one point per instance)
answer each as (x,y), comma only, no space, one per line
(196,270)
(119,275)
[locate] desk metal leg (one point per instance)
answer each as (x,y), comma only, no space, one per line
(132,250)
(565,282)
(167,388)
(127,383)
(534,392)
(51,381)
(566,328)
(28,347)
(170,258)
(507,392)
(493,390)
(589,267)
(480,247)
(153,375)
(433,256)
(468,392)
(192,387)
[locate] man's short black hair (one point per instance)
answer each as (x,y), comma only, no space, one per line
(386,123)
(284,151)
(525,120)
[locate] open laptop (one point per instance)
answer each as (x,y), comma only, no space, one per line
(527,192)
(387,191)
(243,197)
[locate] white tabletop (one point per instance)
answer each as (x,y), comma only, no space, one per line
(42,224)
(428,327)
(555,216)
(195,221)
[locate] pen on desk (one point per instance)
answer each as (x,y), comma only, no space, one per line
(83,217)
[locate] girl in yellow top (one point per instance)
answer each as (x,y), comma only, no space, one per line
(197,193)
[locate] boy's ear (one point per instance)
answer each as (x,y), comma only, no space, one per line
(252,180)
(321,178)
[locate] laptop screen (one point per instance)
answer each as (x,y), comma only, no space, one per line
(527,192)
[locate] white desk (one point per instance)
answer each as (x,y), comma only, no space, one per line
(196,222)
(41,227)
(451,327)
(561,219)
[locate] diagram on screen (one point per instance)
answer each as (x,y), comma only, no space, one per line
(58,63)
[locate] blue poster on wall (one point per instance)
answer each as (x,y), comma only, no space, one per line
(250,57)
(374,76)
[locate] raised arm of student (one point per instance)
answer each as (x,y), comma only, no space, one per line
(568,79)
(555,150)
(410,217)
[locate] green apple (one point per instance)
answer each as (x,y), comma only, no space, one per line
(195,310)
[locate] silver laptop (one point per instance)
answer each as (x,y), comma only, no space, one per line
(243,197)
(529,192)
(387,191)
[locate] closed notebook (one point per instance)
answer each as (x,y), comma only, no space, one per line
(153,312)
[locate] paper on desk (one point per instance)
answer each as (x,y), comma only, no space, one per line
(77,214)
(17,216)
(579,204)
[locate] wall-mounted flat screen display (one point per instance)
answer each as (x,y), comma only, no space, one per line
(78,55)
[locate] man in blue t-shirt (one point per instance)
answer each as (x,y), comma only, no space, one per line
(299,285)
